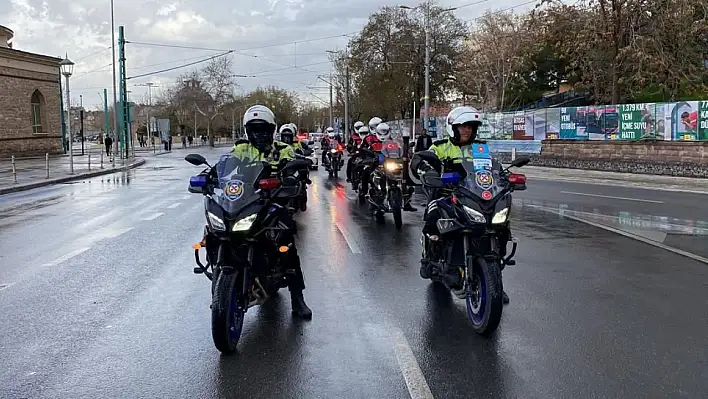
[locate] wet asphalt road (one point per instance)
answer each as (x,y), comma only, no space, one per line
(99,301)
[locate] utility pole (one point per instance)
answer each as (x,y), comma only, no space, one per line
(346,94)
(115,90)
(331,120)
(426,99)
(81,122)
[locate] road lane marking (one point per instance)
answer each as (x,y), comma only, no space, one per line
(613,197)
(415,380)
(349,239)
(175,205)
(626,234)
(66,257)
(153,216)
(6,285)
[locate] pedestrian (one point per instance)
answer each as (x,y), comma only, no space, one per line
(423,142)
(108,141)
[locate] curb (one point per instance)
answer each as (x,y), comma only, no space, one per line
(48,182)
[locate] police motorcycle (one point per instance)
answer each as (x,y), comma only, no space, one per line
(465,257)
(244,240)
(335,160)
(299,202)
(388,191)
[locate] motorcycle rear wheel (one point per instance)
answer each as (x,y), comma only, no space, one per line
(484,295)
(228,308)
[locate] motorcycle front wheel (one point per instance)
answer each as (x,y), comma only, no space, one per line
(228,308)
(484,295)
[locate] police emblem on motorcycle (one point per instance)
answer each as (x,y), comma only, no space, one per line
(486,195)
(233,189)
(484,179)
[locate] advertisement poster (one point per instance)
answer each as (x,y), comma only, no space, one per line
(568,129)
(523,127)
(640,121)
(703,120)
(683,120)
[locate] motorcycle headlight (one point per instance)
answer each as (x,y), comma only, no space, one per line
(474,215)
(333,151)
(500,217)
(393,166)
(215,222)
(245,223)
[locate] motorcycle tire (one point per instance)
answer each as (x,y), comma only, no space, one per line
(336,173)
(484,295)
(228,308)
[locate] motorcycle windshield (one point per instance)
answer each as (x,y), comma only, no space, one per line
(238,182)
(391,149)
(483,176)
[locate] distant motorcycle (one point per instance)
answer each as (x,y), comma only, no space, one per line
(245,256)
(389,191)
(334,160)
(476,212)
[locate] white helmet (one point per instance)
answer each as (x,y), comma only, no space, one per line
(294,126)
(358,125)
(383,131)
(287,126)
(286,133)
(330,132)
(462,116)
(259,123)
(373,122)
(363,131)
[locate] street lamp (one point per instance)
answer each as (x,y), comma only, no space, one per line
(426,23)
(67,69)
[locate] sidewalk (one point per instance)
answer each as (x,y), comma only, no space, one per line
(654,182)
(32,172)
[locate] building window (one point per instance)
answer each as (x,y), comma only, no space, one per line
(37,104)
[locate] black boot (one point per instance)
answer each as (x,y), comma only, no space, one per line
(300,308)
(505,298)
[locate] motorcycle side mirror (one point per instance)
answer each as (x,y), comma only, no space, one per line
(196,159)
(520,161)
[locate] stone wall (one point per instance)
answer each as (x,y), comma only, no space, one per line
(16,136)
(689,159)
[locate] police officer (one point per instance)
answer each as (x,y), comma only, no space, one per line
(462,126)
(259,124)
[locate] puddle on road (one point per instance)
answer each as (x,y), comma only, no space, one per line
(683,234)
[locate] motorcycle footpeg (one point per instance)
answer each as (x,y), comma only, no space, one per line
(198,270)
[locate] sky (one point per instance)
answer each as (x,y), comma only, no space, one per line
(275,42)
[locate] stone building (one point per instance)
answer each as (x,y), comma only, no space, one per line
(30,104)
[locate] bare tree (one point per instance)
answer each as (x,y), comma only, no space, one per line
(218,83)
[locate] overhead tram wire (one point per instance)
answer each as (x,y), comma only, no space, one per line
(242,49)
(179,66)
(92,54)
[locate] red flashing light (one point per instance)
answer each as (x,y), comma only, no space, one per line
(269,184)
(517,178)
